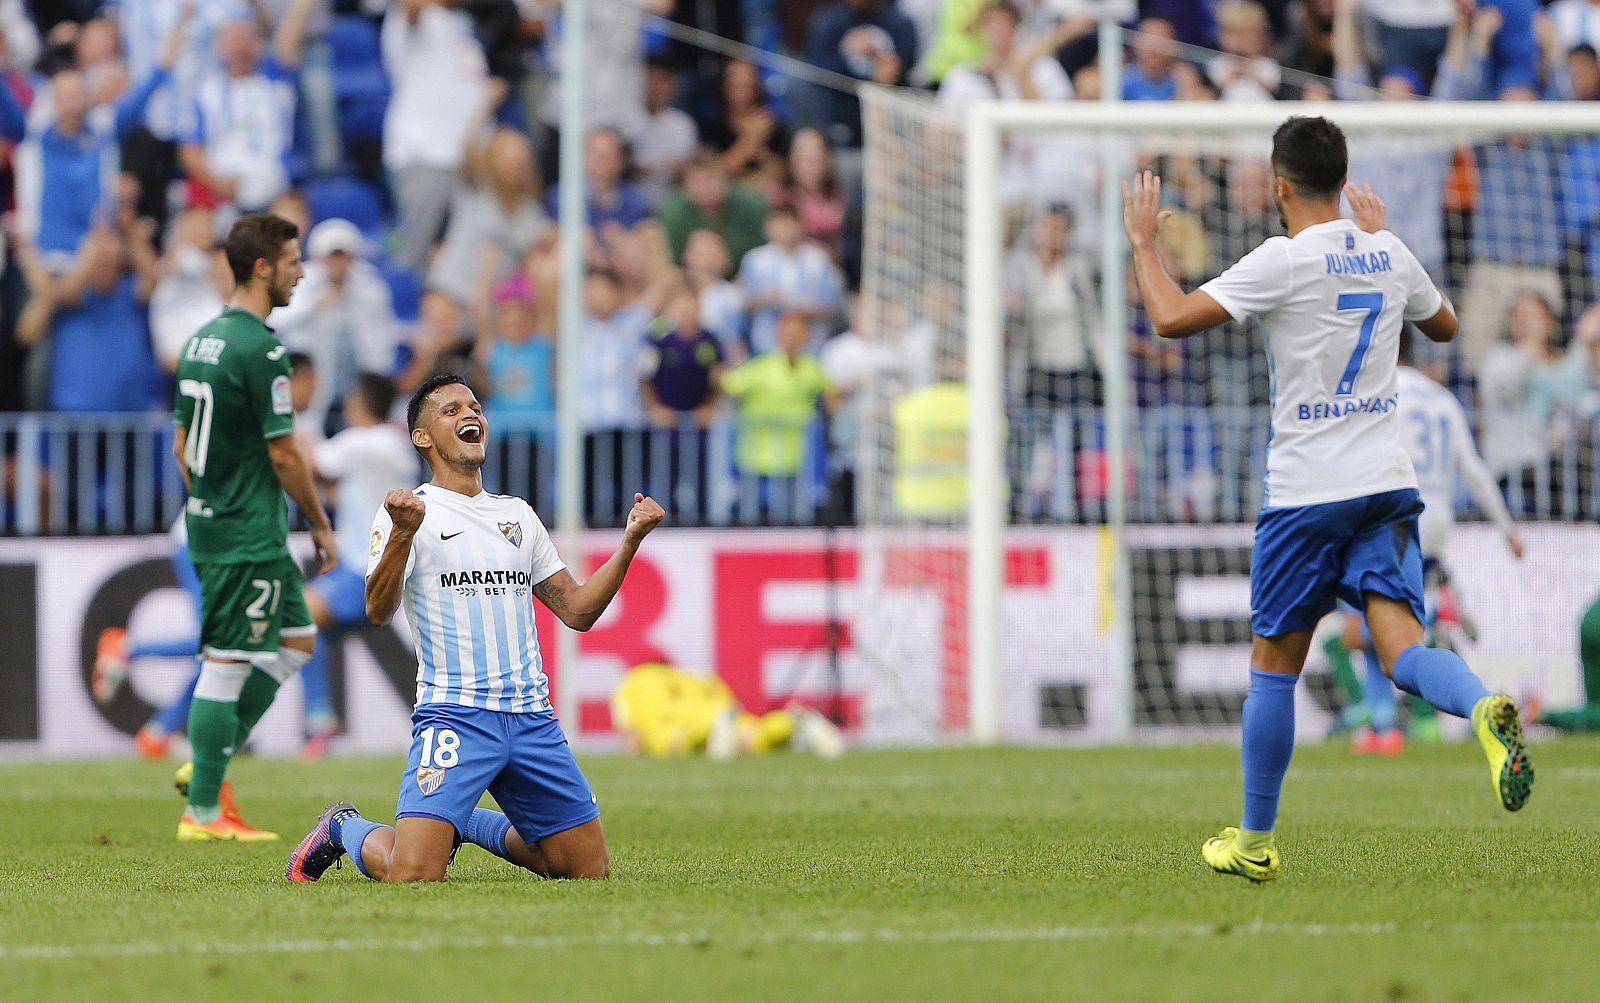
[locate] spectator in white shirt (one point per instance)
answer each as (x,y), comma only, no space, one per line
(239,147)
(497,217)
(667,138)
(788,275)
(340,314)
(438,71)
(1244,71)
(191,284)
(705,262)
(1576,22)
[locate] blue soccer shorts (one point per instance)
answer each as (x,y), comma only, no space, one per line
(1306,558)
(345,591)
(523,760)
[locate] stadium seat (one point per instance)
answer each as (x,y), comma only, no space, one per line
(359,83)
(404,288)
(346,198)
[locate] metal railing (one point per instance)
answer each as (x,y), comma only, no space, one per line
(86,475)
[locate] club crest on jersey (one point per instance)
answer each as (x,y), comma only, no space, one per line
(258,631)
(429,779)
(1349,241)
(513,532)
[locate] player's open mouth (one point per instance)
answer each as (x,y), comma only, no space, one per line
(472,432)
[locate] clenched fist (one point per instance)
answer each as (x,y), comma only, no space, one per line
(646,515)
(405,509)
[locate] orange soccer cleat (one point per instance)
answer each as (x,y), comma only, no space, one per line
(110,665)
(230,825)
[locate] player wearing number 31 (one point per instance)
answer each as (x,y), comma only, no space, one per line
(1339,516)
(468,565)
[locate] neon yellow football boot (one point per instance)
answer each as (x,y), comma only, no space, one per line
(1499,731)
(1222,853)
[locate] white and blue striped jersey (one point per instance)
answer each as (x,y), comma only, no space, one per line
(1435,433)
(469,598)
(1331,301)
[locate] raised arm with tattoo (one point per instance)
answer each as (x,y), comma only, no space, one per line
(580,606)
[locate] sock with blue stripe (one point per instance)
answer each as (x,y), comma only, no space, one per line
(488,828)
(1439,677)
(350,830)
(1267,744)
(1382,710)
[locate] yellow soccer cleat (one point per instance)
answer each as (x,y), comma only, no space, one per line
(1221,853)
(227,827)
(181,779)
(1499,731)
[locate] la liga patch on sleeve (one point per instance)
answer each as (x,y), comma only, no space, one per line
(281,400)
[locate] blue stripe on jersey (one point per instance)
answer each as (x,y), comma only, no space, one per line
(507,652)
(424,628)
(452,654)
(480,667)
(524,615)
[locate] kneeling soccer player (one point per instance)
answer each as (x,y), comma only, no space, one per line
(468,565)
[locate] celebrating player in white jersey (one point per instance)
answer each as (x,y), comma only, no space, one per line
(468,565)
(1341,508)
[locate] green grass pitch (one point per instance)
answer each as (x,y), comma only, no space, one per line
(995,875)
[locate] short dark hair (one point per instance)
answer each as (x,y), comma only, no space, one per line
(299,361)
(1312,155)
(259,236)
(420,398)
(1005,7)
(377,393)
(1583,49)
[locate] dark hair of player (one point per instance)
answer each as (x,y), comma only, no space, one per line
(1311,154)
(377,393)
(257,237)
(299,361)
(429,385)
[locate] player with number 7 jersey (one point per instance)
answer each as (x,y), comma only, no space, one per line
(1341,504)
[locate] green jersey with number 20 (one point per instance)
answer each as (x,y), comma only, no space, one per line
(233,395)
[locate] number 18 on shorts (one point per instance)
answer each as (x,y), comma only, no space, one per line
(522,760)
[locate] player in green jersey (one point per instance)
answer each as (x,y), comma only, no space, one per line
(237,454)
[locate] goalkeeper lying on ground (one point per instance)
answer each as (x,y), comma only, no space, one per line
(667,712)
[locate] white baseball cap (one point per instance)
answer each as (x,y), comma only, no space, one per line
(332,235)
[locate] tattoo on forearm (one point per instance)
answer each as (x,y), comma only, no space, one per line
(553,595)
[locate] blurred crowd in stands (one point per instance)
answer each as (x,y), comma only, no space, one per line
(415,142)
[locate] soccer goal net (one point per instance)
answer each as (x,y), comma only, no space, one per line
(1057,507)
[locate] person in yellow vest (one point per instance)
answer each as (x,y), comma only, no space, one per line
(667,712)
(778,393)
(930,452)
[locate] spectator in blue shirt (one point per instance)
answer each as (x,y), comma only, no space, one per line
(678,371)
(520,360)
(1149,77)
(865,39)
(67,173)
(95,314)
(613,201)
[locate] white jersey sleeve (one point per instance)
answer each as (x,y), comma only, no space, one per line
(1481,483)
(1256,284)
(382,527)
(543,558)
(1423,298)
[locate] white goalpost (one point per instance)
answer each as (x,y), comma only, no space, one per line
(1102,547)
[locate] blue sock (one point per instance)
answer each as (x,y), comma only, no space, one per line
(314,686)
(1382,711)
(1268,743)
(183,647)
(350,830)
(174,717)
(1439,677)
(488,828)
